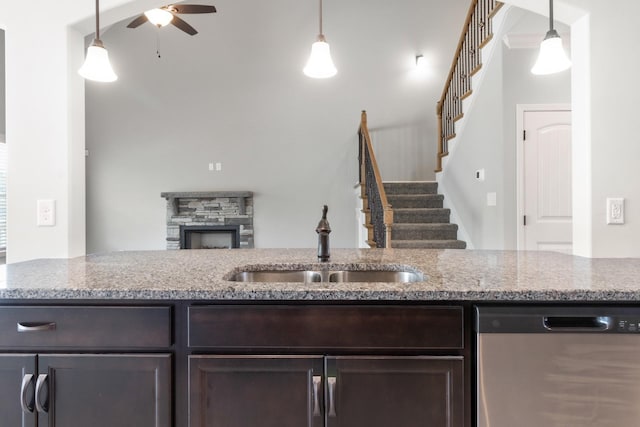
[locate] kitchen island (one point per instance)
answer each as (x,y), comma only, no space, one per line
(170,340)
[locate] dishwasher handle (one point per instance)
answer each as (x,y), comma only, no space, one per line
(577,323)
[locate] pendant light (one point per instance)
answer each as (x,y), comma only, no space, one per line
(320,65)
(552,57)
(96,65)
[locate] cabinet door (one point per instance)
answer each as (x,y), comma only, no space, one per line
(265,391)
(17,382)
(394,391)
(104,390)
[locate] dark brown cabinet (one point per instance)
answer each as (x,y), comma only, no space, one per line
(16,399)
(199,364)
(79,390)
(394,391)
(104,390)
(326,366)
(308,391)
(266,391)
(85,367)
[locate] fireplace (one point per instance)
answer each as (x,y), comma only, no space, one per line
(209,236)
(209,219)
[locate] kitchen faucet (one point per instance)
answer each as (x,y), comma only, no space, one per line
(323,231)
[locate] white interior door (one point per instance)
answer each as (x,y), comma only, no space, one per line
(546,181)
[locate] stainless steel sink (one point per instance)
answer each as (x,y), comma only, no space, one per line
(309,276)
(277,276)
(375,276)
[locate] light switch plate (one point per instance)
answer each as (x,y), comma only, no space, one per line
(615,210)
(492,199)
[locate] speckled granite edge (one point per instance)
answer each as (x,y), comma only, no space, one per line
(449,275)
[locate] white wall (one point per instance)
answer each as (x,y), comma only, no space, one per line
(406,151)
(235,93)
(614,148)
(41,128)
(603,104)
(479,146)
(488,139)
(2,84)
(522,87)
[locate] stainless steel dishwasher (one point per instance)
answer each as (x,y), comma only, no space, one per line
(558,366)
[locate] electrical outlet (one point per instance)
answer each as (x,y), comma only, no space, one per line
(211,166)
(218,166)
(46,213)
(615,210)
(492,199)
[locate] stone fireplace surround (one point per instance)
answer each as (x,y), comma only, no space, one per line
(209,208)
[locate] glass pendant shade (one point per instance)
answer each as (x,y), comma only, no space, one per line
(159,17)
(320,65)
(552,57)
(96,65)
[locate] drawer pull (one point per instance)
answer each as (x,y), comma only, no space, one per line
(26,381)
(317,379)
(42,378)
(332,396)
(36,327)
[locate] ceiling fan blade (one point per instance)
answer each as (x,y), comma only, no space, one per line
(138,21)
(192,8)
(183,26)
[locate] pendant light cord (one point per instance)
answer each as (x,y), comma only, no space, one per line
(320,17)
(97,20)
(550,15)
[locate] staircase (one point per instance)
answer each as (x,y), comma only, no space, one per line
(419,220)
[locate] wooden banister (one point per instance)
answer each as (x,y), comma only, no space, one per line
(476,33)
(378,212)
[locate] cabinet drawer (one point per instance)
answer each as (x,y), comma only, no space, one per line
(326,327)
(54,327)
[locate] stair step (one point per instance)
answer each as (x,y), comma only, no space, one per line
(415,201)
(421,215)
(424,232)
(428,244)
(411,187)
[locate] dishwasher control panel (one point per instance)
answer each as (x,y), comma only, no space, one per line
(628,324)
(557,319)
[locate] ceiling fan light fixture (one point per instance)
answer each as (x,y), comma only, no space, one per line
(96,65)
(320,65)
(159,17)
(552,58)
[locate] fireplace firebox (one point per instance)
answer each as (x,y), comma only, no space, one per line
(209,236)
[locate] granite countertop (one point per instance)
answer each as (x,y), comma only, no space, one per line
(458,275)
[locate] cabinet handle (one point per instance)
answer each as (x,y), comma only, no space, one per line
(26,381)
(42,378)
(332,396)
(36,327)
(317,379)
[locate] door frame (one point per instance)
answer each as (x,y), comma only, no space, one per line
(521,109)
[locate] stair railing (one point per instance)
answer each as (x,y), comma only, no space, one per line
(476,33)
(378,212)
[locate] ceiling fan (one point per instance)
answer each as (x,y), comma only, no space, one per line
(168,15)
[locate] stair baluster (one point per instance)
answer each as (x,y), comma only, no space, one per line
(378,212)
(477,32)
